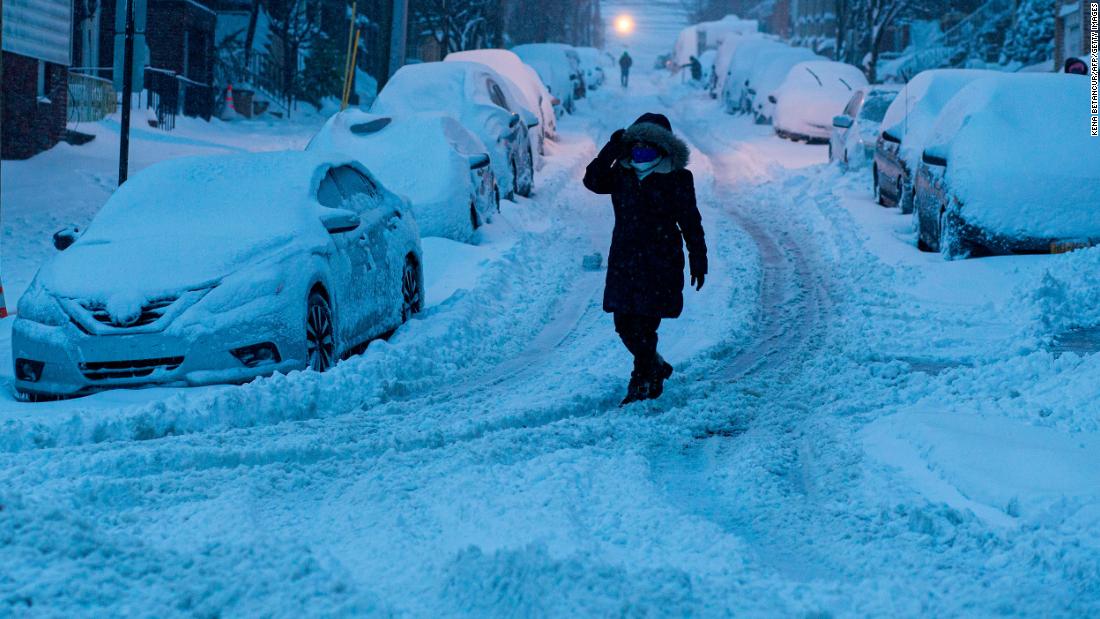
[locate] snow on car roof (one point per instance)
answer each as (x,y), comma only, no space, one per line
(768,75)
(505,62)
(818,74)
(912,113)
(186,222)
(432,87)
(410,153)
(1019,155)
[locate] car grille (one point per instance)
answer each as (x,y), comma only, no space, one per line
(150,312)
(139,368)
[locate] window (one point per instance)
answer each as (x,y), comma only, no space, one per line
(875,108)
(497,95)
(41,87)
(853,105)
(353,183)
(328,194)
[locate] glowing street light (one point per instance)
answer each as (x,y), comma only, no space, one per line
(624,24)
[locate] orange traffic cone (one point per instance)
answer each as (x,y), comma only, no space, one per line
(229,97)
(3,305)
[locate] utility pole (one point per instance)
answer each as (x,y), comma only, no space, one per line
(399,27)
(127,87)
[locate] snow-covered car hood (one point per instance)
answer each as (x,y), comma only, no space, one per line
(186,223)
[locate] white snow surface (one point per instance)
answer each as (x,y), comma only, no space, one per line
(534,94)
(813,93)
(854,428)
(1017,172)
(914,112)
(438,187)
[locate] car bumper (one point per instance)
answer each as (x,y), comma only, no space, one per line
(75,363)
(997,243)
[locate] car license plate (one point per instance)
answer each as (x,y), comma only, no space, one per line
(1064,247)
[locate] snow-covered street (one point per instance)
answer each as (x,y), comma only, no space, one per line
(855,428)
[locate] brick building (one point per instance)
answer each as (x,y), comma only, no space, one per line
(37,42)
(1072,29)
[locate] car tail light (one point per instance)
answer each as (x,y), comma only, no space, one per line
(28,371)
(257,354)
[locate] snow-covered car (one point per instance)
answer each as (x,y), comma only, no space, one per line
(535,95)
(735,95)
(559,67)
(1009,167)
(855,130)
(429,158)
(220,269)
(476,95)
(768,75)
(812,94)
(905,127)
(595,63)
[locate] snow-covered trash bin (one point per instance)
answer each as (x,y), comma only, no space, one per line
(813,93)
(592,262)
(1010,167)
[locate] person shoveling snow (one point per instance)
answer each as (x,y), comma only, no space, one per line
(653,195)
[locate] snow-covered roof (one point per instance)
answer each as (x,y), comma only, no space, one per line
(1019,155)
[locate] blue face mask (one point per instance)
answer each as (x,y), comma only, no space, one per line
(644,154)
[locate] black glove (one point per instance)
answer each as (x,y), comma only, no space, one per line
(617,146)
(697,280)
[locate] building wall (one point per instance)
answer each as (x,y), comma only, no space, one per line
(30,124)
(1080,45)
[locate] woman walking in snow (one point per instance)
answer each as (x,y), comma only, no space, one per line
(653,195)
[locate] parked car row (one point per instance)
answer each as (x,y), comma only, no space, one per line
(987,162)
(221,269)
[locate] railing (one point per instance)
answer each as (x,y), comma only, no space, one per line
(90,98)
(170,94)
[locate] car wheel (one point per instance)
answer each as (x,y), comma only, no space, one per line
(515,180)
(320,333)
(878,187)
(526,186)
(951,244)
(918,222)
(475,221)
(496,196)
(412,294)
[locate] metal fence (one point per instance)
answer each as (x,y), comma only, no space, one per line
(90,98)
(169,94)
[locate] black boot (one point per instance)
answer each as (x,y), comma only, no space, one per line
(662,370)
(638,389)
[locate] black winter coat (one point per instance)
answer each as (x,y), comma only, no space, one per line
(654,218)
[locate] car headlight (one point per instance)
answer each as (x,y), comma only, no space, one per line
(38,305)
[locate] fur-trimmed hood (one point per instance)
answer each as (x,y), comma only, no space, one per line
(677,150)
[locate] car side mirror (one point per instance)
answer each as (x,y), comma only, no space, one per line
(843,121)
(478,160)
(529,118)
(65,237)
(338,220)
(934,159)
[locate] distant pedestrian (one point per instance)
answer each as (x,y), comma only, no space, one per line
(1076,66)
(625,62)
(653,196)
